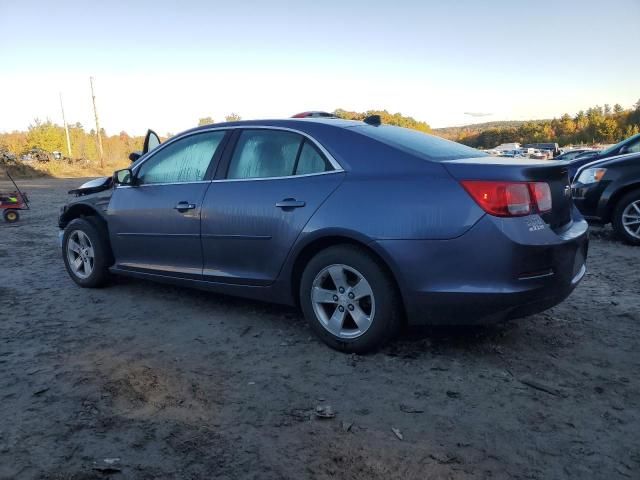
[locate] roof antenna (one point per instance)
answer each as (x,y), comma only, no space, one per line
(373,120)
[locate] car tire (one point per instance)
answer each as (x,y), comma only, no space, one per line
(625,214)
(11,215)
(350,319)
(85,251)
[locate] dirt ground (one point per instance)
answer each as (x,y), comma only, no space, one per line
(140,380)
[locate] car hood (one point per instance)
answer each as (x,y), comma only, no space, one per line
(609,161)
(93,186)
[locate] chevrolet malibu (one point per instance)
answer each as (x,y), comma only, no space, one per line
(363,226)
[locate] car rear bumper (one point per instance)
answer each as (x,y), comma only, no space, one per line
(499,270)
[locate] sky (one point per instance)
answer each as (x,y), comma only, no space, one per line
(165,64)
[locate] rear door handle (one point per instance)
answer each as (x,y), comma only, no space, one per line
(184,206)
(290,203)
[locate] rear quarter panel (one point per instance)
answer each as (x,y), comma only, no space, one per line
(412,205)
(391,194)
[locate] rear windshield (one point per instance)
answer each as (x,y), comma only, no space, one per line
(422,144)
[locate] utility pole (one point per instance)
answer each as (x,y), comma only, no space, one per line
(95,113)
(66,127)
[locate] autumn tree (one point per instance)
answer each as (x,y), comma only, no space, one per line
(396,119)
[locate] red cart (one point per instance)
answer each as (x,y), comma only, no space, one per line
(12,202)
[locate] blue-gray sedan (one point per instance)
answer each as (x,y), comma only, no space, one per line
(363,226)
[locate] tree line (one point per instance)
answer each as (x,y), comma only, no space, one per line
(599,124)
(396,119)
(50,137)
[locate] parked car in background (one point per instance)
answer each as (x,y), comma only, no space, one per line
(362,225)
(571,154)
(628,145)
(314,114)
(539,154)
(552,148)
(608,191)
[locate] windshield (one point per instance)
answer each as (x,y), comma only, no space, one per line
(607,151)
(423,144)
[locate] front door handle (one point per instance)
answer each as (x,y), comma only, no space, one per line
(290,203)
(184,206)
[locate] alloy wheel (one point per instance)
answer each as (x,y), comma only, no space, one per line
(80,254)
(631,219)
(343,301)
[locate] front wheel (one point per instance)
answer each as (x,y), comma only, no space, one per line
(350,300)
(84,251)
(626,218)
(11,216)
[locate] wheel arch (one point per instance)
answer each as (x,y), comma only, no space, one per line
(321,242)
(78,210)
(92,215)
(615,198)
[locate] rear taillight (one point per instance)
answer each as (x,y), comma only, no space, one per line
(542,195)
(509,199)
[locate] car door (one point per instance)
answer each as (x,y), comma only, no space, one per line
(275,180)
(154,224)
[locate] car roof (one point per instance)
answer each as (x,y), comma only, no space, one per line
(295,123)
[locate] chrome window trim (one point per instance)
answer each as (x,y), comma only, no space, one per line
(161,184)
(334,163)
(223,180)
(286,177)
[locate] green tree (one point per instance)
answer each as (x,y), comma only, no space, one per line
(606,130)
(396,119)
(45,135)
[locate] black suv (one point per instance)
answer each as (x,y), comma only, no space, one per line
(608,191)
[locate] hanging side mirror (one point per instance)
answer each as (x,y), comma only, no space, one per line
(133,156)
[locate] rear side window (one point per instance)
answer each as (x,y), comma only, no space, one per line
(185,160)
(274,153)
(311,161)
(422,144)
(264,154)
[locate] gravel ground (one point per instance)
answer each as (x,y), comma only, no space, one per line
(140,380)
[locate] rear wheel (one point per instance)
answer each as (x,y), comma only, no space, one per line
(626,218)
(349,299)
(11,216)
(85,253)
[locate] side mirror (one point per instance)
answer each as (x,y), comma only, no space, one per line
(124,177)
(624,149)
(133,156)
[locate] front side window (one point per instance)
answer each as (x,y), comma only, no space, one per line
(185,160)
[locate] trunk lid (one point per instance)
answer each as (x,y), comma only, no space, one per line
(521,170)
